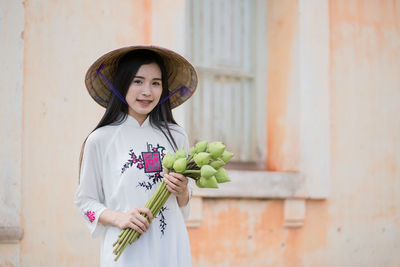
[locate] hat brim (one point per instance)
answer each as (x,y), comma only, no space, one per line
(180,74)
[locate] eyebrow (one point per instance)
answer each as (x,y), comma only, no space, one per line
(141,77)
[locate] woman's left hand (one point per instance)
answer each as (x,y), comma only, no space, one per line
(176,184)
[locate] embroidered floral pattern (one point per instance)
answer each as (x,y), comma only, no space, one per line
(90,214)
(133,159)
(163,223)
(153,180)
(150,162)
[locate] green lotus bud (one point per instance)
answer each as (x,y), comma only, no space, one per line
(226,156)
(222,176)
(181,153)
(192,151)
(168,161)
(209,182)
(202,158)
(216,149)
(201,146)
(207,171)
(200,182)
(180,165)
(216,164)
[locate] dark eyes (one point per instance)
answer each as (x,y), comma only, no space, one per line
(139,82)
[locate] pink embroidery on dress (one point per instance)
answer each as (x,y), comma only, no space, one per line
(90,215)
(150,160)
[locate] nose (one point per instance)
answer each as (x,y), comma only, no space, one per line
(146,89)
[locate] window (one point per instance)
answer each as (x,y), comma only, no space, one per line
(227,53)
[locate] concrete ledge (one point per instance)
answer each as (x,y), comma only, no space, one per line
(289,186)
(257,184)
(11,234)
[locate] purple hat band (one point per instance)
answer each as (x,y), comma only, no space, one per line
(98,72)
(183,91)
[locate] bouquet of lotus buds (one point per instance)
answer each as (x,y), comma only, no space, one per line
(203,164)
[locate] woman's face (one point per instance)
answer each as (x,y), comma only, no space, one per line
(144,92)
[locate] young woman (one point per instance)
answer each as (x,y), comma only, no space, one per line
(121,159)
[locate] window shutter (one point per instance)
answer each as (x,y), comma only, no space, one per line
(220,49)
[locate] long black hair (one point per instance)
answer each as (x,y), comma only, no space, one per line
(117,111)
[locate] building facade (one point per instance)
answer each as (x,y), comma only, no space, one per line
(316,126)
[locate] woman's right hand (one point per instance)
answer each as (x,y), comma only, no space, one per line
(134,219)
(131,219)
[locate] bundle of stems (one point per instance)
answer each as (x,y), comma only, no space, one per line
(128,235)
(203,164)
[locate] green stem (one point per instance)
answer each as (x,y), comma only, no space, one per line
(134,237)
(152,200)
(120,252)
(160,201)
(190,171)
(192,166)
(164,199)
(190,159)
(155,203)
(126,239)
(120,244)
(122,236)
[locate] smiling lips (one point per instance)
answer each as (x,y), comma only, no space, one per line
(145,102)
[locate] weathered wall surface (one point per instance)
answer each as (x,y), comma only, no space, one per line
(364,210)
(359,223)
(282,97)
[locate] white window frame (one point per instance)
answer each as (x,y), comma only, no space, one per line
(258,83)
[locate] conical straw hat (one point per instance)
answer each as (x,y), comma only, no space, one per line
(182,77)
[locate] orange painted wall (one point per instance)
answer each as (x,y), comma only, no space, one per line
(359,223)
(282,99)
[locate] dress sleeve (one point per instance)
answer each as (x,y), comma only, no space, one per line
(186,209)
(89,196)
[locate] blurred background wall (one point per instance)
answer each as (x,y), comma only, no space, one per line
(320,185)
